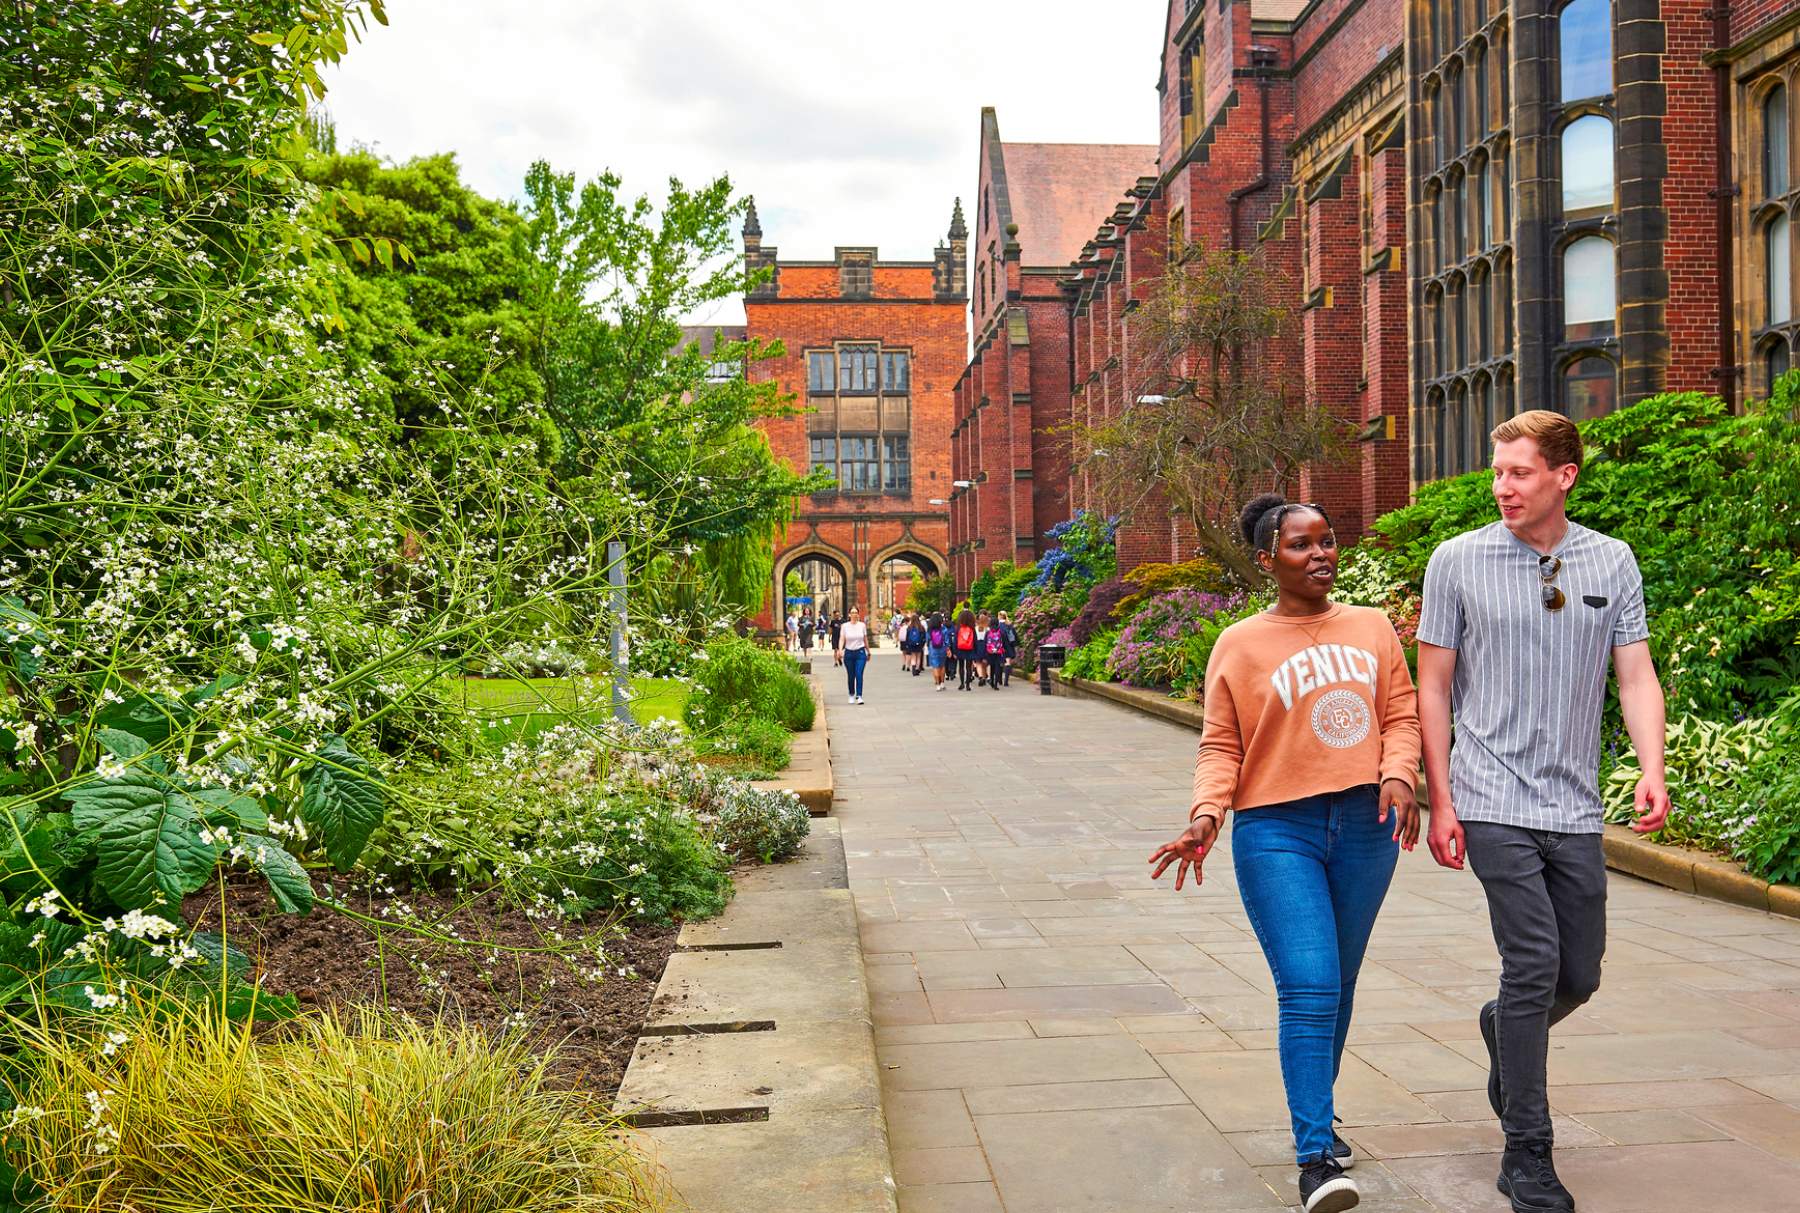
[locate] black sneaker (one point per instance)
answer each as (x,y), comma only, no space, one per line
(1528,1179)
(1341,1153)
(1324,1188)
(1490,1033)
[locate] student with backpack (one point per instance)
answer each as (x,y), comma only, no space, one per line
(1012,648)
(937,650)
(966,647)
(993,644)
(915,642)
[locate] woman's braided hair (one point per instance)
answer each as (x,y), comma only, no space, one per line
(1262,518)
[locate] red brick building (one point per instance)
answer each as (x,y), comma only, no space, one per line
(1601,199)
(873,350)
(1035,205)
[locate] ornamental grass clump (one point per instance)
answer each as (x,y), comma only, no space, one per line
(337,1112)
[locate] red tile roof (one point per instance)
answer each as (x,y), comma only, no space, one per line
(1061,192)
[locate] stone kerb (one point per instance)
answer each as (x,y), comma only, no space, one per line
(1682,868)
(808,775)
(755,1076)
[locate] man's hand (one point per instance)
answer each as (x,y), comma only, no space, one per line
(1191,849)
(1445,838)
(1396,795)
(1652,802)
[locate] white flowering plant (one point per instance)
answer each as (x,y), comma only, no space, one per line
(231,592)
(568,823)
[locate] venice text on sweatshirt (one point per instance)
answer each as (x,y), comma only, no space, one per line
(1297,706)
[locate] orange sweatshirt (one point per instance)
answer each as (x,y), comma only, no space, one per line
(1300,706)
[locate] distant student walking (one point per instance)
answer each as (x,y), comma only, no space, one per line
(937,650)
(966,642)
(853,651)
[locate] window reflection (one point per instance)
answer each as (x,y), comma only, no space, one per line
(1778,263)
(1587,164)
(1585,49)
(1590,388)
(1775,143)
(1589,291)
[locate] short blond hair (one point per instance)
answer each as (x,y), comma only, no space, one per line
(1555,435)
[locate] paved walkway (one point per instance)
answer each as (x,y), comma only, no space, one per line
(1057,1033)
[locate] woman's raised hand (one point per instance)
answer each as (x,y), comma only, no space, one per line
(1190,850)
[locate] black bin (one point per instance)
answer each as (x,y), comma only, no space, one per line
(1049,657)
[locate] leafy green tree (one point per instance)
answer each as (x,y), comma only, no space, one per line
(611,280)
(450,316)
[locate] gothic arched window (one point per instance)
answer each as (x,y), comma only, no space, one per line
(1590,289)
(1590,388)
(1584,46)
(1776,151)
(1587,165)
(1778,266)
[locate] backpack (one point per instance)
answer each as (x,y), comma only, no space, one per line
(965,638)
(996,642)
(937,638)
(915,635)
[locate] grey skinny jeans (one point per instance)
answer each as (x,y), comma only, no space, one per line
(1546,895)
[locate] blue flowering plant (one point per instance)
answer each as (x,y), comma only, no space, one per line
(1082,551)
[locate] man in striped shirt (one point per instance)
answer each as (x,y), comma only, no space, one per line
(1519,620)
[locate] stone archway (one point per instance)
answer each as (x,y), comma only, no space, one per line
(893,570)
(827,573)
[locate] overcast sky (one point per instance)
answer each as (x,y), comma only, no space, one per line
(851,123)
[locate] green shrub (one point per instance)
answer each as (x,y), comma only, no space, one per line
(790,701)
(1734,788)
(1201,573)
(736,675)
(573,822)
(1710,503)
(563,822)
(749,824)
(765,743)
(175,1112)
(1090,659)
(983,586)
(1197,647)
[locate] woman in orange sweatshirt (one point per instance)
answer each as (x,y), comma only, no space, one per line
(1312,734)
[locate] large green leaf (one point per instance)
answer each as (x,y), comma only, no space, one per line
(342,802)
(22,632)
(152,717)
(223,806)
(121,744)
(288,881)
(148,839)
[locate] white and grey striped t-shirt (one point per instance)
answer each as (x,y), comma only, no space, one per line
(1530,683)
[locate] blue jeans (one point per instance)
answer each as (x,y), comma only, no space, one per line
(1313,874)
(854,661)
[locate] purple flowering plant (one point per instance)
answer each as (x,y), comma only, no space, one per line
(1150,651)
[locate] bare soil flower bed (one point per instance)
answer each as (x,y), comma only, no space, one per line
(328,958)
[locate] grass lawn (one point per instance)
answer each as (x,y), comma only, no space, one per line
(515,709)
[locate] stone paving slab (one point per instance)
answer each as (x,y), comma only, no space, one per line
(1056,1032)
